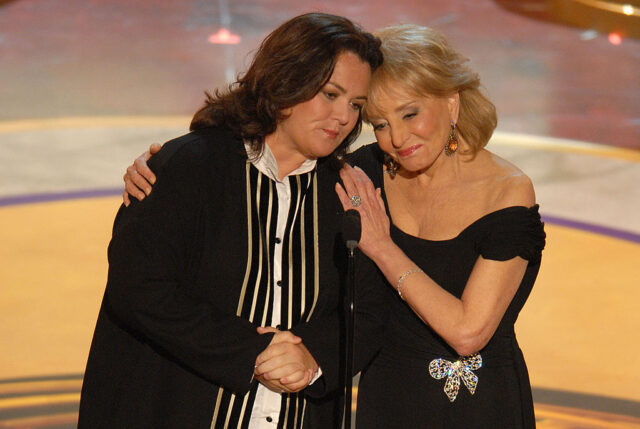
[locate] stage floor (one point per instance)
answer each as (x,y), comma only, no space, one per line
(87,85)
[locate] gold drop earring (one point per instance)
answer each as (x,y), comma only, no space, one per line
(451,146)
(391,164)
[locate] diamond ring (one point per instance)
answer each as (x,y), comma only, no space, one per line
(356,200)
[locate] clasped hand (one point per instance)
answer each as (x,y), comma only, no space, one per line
(285,365)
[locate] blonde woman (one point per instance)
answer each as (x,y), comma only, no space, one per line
(459,239)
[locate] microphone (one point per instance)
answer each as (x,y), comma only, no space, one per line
(351,229)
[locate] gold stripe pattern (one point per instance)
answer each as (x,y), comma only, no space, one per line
(229,408)
(268,246)
(290,256)
(303,254)
(217,409)
(292,405)
(256,287)
(249,238)
(316,250)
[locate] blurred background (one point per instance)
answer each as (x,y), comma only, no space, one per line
(87,85)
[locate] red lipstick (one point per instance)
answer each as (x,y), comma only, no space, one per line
(408,151)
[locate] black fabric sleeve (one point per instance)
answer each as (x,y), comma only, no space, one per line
(324,336)
(514,231)
(149,286)
(370,158)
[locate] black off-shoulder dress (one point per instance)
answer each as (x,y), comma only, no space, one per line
(397,389)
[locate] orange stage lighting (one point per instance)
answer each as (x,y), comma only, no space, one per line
(224,37)
(615,38)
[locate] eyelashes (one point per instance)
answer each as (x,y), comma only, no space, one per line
(332,96)
(406,116)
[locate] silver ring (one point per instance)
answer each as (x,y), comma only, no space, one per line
(356,200)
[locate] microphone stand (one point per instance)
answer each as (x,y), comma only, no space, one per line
(350,322)
(351,230)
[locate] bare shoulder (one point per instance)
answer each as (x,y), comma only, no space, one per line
(511,186)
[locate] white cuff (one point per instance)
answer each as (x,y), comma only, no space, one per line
(316,376)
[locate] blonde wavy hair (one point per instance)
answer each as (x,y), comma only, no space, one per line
(421,60)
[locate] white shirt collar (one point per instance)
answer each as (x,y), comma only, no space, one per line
(267,165)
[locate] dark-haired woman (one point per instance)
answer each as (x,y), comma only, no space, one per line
(239,233)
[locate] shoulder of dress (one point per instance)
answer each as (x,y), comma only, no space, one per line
(512,231)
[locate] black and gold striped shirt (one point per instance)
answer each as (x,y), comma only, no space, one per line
(280,285)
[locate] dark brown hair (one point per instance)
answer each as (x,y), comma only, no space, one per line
(292,64)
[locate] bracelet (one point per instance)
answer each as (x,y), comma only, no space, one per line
(403,276)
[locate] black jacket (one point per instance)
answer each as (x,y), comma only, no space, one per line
(167,335)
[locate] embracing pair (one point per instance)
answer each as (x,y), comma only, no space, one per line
(223,302)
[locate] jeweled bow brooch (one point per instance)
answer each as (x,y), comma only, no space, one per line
(454,371)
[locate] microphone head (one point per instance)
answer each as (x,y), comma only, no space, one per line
(351,228)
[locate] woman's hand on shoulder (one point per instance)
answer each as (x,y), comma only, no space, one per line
(138,178)
(373,215)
